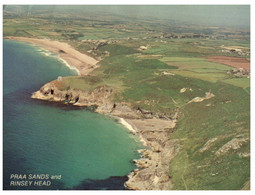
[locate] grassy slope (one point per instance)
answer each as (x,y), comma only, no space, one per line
(226,118)
(139,82)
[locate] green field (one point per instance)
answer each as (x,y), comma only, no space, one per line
(225,116)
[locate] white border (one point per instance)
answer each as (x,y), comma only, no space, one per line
(142,2)
(128,2)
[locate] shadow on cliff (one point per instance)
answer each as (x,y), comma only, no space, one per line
(62,106)
(111,183)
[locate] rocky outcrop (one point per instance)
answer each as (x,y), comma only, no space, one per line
(233,144)
(98,98)
(208,95)
(208,144)
(153,172)
(153,129)
(124,110)
(153,167)
(143,47)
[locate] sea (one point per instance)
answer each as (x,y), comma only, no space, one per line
(53,146)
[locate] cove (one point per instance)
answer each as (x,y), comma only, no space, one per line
(85,150)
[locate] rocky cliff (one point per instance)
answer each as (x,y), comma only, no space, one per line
(98,98)
(153,129)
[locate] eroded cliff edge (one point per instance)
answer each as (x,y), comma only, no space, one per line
(153,129)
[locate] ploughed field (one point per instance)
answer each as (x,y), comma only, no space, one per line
(231,61)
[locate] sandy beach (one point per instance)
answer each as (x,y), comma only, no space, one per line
(82,62)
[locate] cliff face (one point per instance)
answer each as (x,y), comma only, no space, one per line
(153,167)
(153,129)
(98,98)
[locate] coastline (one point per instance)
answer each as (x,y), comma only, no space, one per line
(69,66)
(133,129)
(153,166)
(152,172)
(127,125)
(72,58)
(48,53)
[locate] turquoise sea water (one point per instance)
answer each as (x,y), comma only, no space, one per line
(88,150)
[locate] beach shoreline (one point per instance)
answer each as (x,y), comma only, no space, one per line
(152,132)
(73,59)
(133,129)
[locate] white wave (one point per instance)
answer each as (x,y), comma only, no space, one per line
(68,65)
(45,53)
(50,54)
(132,129)
(127,125)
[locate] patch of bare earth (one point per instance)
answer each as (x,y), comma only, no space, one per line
(231,61)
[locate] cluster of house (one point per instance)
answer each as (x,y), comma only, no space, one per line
(239,72)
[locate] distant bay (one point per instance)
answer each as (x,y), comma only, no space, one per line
(88,150)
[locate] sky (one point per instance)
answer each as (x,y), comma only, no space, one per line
(235,16)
